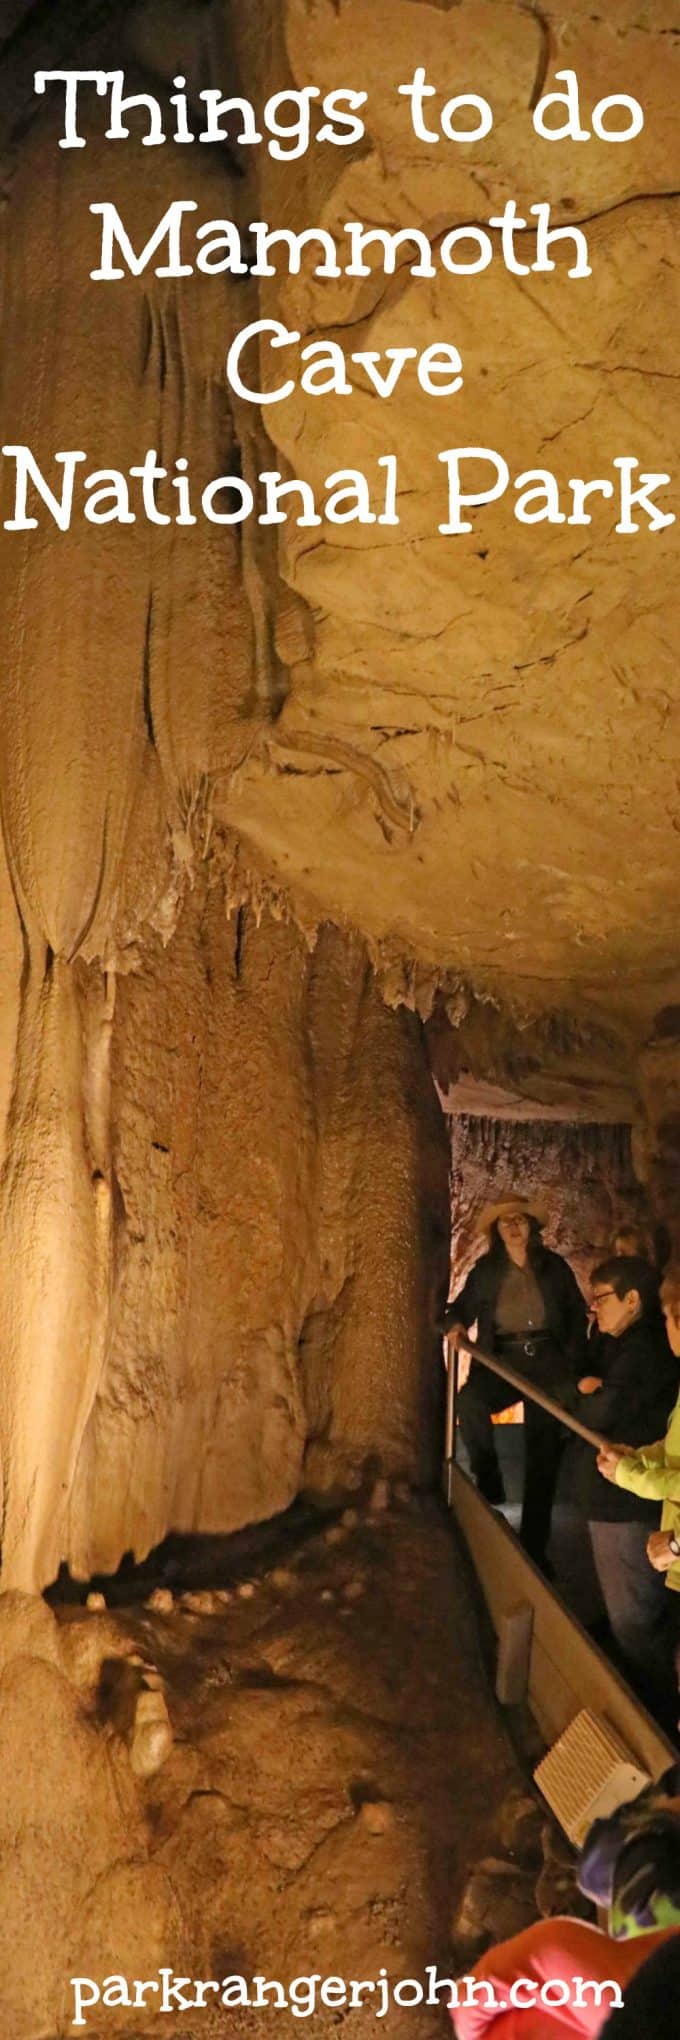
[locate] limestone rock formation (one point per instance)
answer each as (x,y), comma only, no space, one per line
(657,1129)
(69,1813)
(277,1139)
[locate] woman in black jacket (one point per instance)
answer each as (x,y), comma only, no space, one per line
(631,1403)
(528,1309)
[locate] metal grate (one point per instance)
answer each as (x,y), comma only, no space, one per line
(587,1774)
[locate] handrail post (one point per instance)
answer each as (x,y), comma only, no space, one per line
(523,1388)
(451,1408)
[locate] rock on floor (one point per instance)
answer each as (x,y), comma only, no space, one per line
(330,1785)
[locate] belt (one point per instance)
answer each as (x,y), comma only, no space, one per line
(528,1343)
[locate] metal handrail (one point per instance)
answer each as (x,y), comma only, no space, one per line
(524,1388)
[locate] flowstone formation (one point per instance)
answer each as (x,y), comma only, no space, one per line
(224,1174)
(271,1223)
(281,1241)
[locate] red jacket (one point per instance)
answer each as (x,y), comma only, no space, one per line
(564,1954)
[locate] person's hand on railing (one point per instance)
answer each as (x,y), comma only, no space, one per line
(608,1459)
(453,1337)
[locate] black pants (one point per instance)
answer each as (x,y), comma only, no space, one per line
(637,1603)
(485,1394)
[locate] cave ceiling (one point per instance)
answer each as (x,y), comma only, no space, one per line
(473,757)
(514,691)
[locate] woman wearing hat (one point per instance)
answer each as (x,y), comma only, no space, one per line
(529,1310)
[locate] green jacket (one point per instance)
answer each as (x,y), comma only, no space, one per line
(654,1473)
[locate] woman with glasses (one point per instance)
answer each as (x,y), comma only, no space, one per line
(633,1405)
(653,1474)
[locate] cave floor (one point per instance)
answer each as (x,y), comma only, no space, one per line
(337,1768)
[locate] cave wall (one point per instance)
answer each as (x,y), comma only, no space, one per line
(274,1230)
(113,702)
(223,1184)
(656,1137)
(136,670)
